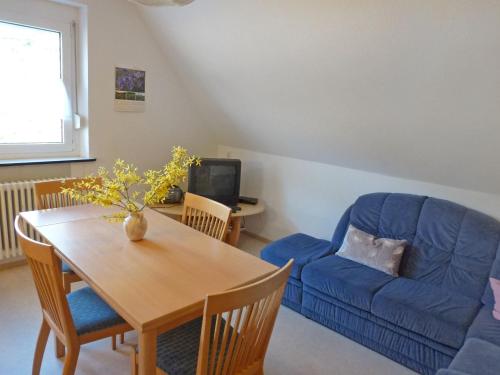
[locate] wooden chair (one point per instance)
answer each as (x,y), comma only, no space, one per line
(48,195)
(206,215)
(231,338)
(76,318)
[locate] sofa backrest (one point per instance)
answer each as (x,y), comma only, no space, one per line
(448,244)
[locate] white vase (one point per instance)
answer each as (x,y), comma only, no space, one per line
(135,226)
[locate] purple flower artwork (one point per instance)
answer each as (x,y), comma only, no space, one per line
(130,84)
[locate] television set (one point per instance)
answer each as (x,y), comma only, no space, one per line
(216,179)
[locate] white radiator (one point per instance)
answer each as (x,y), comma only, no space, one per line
(15,197)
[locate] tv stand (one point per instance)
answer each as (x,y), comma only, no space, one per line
(243,210)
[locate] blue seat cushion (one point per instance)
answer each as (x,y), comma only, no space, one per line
(345,280)
(66,268)
(90,312)
(301,247)
(177,349)
(431,311)
(477,357)
(485,327)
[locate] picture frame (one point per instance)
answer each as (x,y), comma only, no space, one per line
(130,90)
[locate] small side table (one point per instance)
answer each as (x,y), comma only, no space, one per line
(175,211)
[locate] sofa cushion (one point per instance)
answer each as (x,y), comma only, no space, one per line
(299,246)
(454,247)
(345,280)
(477,357)
(431,311)
(383,254)
(387,215)
(485,327)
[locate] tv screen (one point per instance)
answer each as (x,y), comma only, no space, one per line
(217,179)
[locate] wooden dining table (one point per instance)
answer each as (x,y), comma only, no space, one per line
(155,284)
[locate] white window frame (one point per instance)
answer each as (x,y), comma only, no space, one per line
(70,147)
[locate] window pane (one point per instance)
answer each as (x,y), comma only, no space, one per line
(32,95)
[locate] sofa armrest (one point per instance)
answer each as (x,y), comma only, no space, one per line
(485,327)
(303,248)
(477,357)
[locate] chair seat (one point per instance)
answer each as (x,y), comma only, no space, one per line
(431,311)
(345,280)
(177,349)
(66,268)
(90,312)
(301,247)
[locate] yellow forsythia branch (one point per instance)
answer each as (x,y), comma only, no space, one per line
(120,188)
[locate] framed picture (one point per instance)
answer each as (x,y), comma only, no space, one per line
(130,90)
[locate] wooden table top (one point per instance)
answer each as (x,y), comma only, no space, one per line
(150,282)
(176,209)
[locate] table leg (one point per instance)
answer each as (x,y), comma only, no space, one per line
(234,235)
(147,353)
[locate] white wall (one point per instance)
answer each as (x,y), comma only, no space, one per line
(407,88)
(310,197)
(117,36)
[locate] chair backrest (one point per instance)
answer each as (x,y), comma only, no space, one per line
(46,270)
(237,326)
(48,193)
(206,215)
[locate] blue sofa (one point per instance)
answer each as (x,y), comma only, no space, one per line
(421,319)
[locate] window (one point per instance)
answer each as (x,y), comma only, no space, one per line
(36,90)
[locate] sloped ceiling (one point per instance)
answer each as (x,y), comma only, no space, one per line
(405,88)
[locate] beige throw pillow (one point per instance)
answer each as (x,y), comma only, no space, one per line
(383,254)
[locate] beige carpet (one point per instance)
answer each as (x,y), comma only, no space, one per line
(298,346)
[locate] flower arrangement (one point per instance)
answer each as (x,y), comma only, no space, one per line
(128,190)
